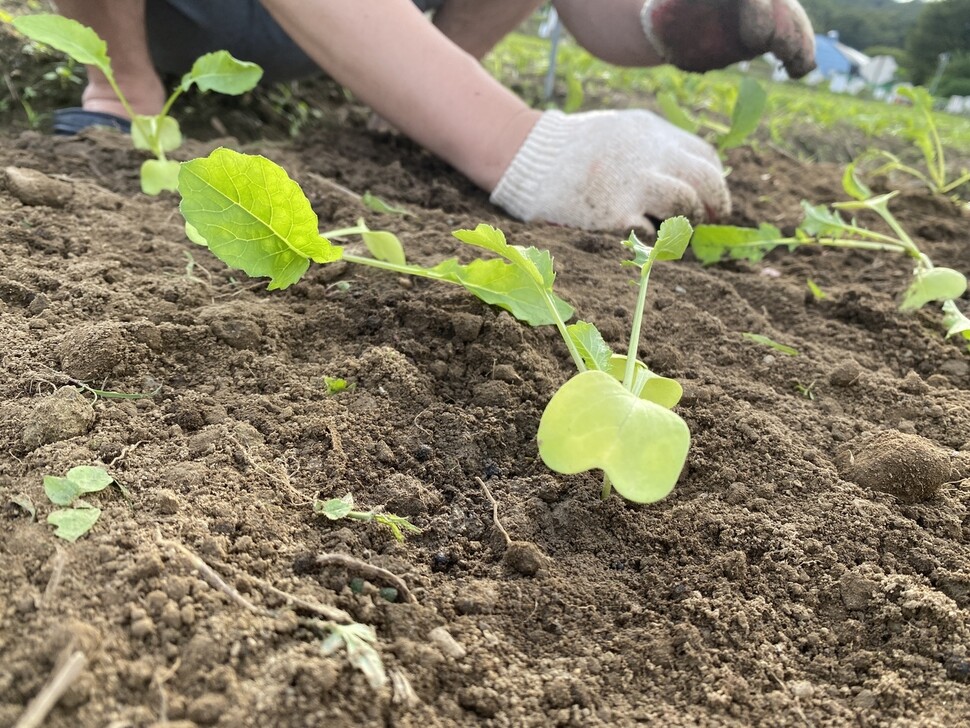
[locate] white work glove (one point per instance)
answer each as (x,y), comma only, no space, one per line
(699,35)
(609,170)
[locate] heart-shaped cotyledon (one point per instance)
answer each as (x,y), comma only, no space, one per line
(594,422)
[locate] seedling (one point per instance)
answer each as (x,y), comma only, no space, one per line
(338,508)
(817,293)
(806,390)
(825,226)
(745,115)
(614,415)
(924,134)
(79,516)
(358,639)
(160,134)
(335,385)
(770,343)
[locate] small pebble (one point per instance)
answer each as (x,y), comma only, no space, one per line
(446,643)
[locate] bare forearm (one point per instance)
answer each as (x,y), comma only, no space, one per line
(609,29)
(393,59)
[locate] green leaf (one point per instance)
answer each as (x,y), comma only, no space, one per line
(158,175)
(593,422)
(675,114)
(820,221)
(155,133)
(72,523)
(955,321)
(673,237)
(89,478)
(748,108)
(641,251)
(647,384)
(382,244)
(60,491)
(500,284)
(68,36)
(595,351)
(335,385)
(376,204)
(765,341)
(537,264)
(711,243)
(936,284)
(853,186)
(335,508)
(817,293)
(222,73)
(253,216)
(574,93)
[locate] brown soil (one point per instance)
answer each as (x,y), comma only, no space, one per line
(770,589)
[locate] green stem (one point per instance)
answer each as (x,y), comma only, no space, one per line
(408,270)
(171,100)
(114,87)
(607,487)
(631,353)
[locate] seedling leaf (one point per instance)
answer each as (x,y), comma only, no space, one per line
(646,384)
(711,243)
(89,478)
(382,244)
(955,321)
(675,114)
(593,422)
(936,284)
(72,523)
(853,186)
(220,72)
(253,216)
(765,341)
(335,508)
(817,293)
(68,36)
(592,347)
(506,286)
(536,263)
(336,384)
(60,491)
(375,203)
(673,237)
(155,133)
(194,235)
(821,221)
(159,175)
(748,108)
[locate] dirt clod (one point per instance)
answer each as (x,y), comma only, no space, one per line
(36,188)
(65,414)
(523,558)
(909,467)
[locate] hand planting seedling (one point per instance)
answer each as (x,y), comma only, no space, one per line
(614,415)
(160,134)
(338,508)
(79,516)
(825,226)
(748,107)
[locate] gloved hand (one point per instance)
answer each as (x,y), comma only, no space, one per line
(608,170)
(698,35)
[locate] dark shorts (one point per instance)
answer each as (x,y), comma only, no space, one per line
(179,31)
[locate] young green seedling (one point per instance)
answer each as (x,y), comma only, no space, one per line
(335,385)
(924,134)
(159,134)
(770,343)
(825,226)
(79,516)
(253,217)
(338,508)
(358,640)
(745,115)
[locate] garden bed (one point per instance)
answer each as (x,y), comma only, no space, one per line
(766,590)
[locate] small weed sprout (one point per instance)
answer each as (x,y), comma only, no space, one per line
(335,385)
(79,516)
(160,134)
(615,414)
(337,508)
(825,226)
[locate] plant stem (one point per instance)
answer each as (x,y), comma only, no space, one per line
(114,87)
(607,487)
(409,270)
(631,354)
